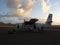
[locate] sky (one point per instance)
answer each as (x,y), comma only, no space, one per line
(12,11)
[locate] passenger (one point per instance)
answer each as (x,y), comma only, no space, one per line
(17,26)
(34,26)
(42,28)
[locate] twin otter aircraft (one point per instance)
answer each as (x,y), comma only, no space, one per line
(32,25)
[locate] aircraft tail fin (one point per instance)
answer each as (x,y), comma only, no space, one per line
(49,19)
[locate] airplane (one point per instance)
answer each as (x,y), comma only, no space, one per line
(31,25)
(47,25)
(48,21)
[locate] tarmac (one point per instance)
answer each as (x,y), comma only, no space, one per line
(30,38)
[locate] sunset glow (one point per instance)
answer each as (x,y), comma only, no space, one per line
(29,8)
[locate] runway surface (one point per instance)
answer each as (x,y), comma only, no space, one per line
(30,38)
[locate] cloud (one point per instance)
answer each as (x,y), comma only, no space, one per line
(56,3)
(56,17)
(45,5)
(20,7)
(19,10)
(12,20)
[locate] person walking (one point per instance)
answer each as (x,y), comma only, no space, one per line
(42,28)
